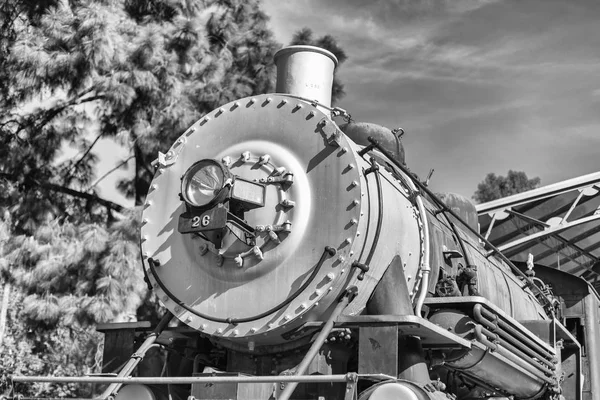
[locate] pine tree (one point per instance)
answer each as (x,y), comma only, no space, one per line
(73,72)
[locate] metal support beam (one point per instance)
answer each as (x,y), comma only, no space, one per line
(547,232)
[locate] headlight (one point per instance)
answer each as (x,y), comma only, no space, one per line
(204,182)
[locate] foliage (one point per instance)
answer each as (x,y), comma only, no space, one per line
(495,187)
(327,42)
(73,73)
(65,350)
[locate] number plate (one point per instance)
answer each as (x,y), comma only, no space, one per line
(208,220)
(251,193)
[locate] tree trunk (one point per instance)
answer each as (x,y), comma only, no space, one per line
(4,311)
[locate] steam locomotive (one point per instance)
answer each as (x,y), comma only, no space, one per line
(304,260)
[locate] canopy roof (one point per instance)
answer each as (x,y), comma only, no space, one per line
(558,224)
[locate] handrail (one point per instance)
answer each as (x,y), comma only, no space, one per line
(176,380)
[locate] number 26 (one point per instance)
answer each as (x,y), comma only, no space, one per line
(197,221)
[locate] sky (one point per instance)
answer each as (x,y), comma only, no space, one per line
(478,86)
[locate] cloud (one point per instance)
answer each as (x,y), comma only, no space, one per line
(480,86)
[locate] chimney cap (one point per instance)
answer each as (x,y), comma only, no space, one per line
(301,48)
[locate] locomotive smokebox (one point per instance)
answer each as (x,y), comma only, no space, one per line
(306,71)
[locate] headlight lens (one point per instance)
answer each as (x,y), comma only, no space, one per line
(202,182)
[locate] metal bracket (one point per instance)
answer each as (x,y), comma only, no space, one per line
(373,168)
(285,180)
(449,254)
(351,392)
(363,268)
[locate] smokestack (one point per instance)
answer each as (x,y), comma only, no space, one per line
(305,71)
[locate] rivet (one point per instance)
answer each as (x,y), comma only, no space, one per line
(149,202)
(221,110)
(203,327)
(226,161)
(348,241)
(285,318)
(283,102)
(350,166)
(165,298)
(330,276)
(318,292)
(169,155)
(235,105)
(177,309)
(154,186)
(190,131)
(155,286)
(341,259)
(355,202)
(204,120)
(268,100)
(357,233)
(253,330)
(342,271)
(251,101)
(351,254)
(353,221)
(344,150)
(311,114)
(246,156)
(235,332)
(303,306)
(353,184)
(219,331)
(264,159)
(298,107)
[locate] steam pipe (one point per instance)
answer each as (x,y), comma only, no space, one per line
(138,355)
(480,336)
(502,344)
(318,343)
(425,268)
(505,330)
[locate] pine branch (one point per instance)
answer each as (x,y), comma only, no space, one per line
(87,151)
(87,196)
(110,172)
(51,113)
(62,189)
